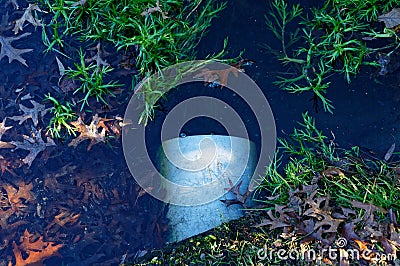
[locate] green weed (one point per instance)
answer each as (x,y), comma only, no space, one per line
(330,39)
(62,115)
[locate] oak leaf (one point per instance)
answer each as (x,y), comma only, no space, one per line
(17,198)
(27,16)
(5,25)
(34,144)
(31,113)
(37,251)
(391,19)
(97,57)
(11,52)
(89,132)
(13,2)
(3,129)
(219,76)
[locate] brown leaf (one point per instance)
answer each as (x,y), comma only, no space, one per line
(274,222)
(221,76)
(332,172)
(391,19)
(27,16)
(37,251)
(368,218)
(6,145)
(157,8)
(64,217)
(343,214)
(392,217)
(16,198)
(6,165)
(365,251)
(11,52)
(89,132)
(394,236)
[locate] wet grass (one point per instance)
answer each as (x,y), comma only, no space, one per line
(155,34)
(332,39)
(345,175)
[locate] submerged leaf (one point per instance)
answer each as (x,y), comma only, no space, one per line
(391,19)
(221,75)
(31,113)
(34,144)
(27,16)
(90,132)
(390,151)
(11,52)
(37,251)
(3,127)
(13,2)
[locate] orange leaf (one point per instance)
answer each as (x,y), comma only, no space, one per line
(37,251)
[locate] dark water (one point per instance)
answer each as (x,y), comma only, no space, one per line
(114,217)
(366,112)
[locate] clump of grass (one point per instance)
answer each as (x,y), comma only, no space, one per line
(330,40)
(62,115)
(157,34)
(343,174)
(160,33)
(91,78)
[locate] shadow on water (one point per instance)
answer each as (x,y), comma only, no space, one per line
(87,200)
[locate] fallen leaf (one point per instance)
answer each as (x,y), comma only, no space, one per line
(366,253)
(157,8)
(34,144)
(5,25)
(17,198)
(6,164)
(27,16)
(97,57)
(391,19)
(61,69)
(389,247)
(389,153)
(367,206)
(6,145)
(13,2)
(89,132)
(3,129)
(63,218)
(394,236)
(348,232)
(37,251)
(11,52)
(392,217)
(217,76)
(31,113)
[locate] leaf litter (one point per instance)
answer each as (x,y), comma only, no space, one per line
(78,210)
(316,221)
